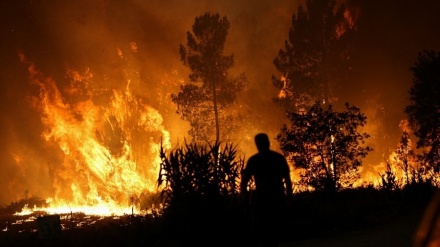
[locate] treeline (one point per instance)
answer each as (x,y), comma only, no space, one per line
(201,200)
(323,136)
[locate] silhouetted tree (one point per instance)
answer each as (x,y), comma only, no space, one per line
(389,180)
(405,156)
(424,108)
(204,101)
(326,144)
(315,57)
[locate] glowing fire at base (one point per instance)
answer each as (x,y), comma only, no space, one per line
(106,145)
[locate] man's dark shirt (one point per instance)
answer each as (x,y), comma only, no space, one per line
(269,170)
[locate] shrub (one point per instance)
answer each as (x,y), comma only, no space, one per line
(200,185)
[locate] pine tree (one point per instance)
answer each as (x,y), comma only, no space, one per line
(315,58)
(205,100)
(424,108)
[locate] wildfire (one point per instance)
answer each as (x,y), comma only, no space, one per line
(107,143)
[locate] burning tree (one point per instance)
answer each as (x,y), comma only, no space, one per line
(204,101)
(424,108)
(326,144)
(315,57)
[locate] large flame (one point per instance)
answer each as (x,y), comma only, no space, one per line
(108,142)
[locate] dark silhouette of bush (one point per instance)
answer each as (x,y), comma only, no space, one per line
(200,188)
(18,206)
(389,180)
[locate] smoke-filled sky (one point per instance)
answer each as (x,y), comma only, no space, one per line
(59,36)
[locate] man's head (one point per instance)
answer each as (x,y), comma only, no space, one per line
(262,142)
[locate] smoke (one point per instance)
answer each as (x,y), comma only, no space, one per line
(58,36)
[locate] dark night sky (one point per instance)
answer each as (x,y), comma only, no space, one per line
(56,35)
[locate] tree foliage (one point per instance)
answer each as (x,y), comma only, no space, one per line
(205,100)
(405,156)
(315,56)
(326,144)
(424,108)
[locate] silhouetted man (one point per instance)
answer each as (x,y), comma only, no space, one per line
(273,189)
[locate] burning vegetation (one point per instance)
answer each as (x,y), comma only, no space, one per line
(108,144)
(121,152)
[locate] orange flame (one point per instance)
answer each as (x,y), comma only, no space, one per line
(108,150)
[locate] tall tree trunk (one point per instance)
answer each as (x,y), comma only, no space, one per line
(217,125)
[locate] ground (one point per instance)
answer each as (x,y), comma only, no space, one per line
(400,232)
(361,218)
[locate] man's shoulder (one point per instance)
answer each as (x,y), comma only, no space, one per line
(254,157)
(278,157)
(277,154)
(271,155)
